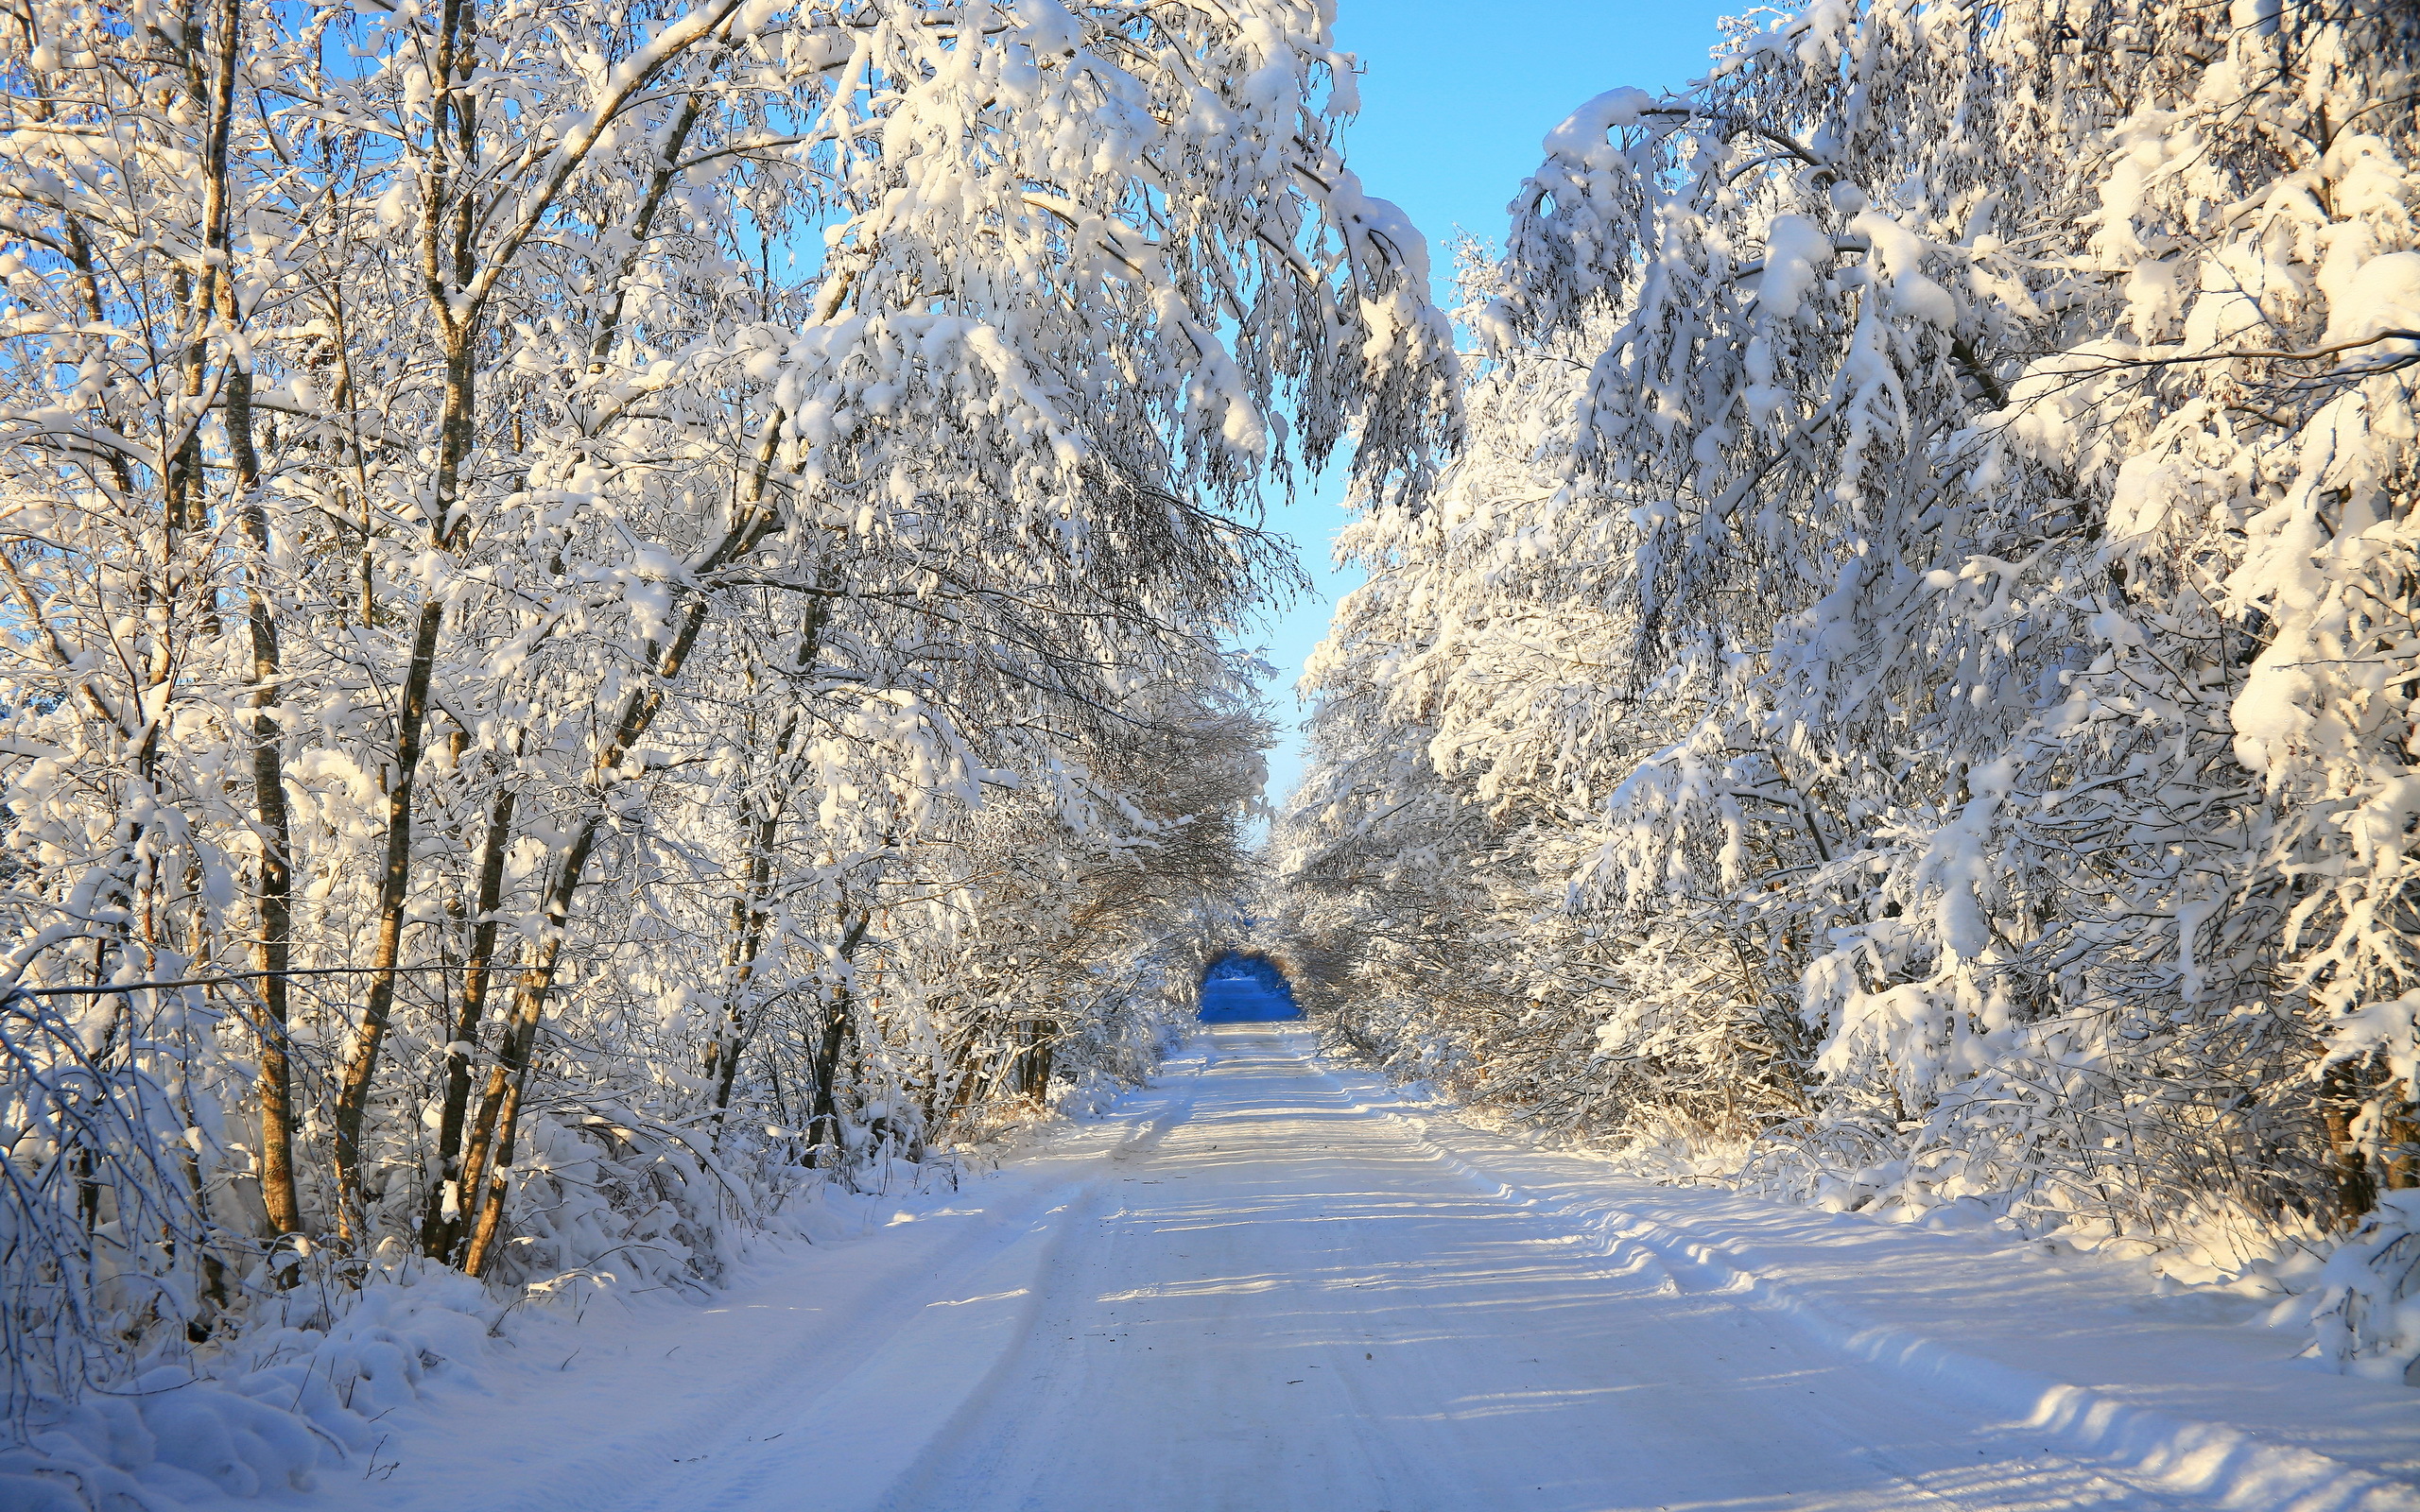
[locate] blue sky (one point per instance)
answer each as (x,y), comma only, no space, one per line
(1455,99)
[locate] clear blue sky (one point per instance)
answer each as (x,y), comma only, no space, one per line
(1455,99)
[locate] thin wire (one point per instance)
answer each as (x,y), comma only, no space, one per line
(206,981)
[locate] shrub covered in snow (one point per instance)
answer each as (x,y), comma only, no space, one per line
(2368,1313)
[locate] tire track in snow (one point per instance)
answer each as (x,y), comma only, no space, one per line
(1362,1242)
(928,1362)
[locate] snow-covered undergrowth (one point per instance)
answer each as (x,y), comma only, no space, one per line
(2367,1310)
(303,1389)
(304,1392)
(327,1348)
(308,1349)
(1906,701)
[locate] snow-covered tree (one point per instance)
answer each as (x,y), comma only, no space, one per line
(604,596)
(1913,679)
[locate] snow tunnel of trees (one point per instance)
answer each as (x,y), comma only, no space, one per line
(1243,986)
(536,730)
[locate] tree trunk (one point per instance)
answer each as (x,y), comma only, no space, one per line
(823,1117)
(447,263)
(274,951)
(499,1126)
(447,1206)
(2342,1091)
(823,1122)
(749,918)
(395,892)
(488,1155)
(750,914)
(491,1142)
(1033,1080)
(273,1087)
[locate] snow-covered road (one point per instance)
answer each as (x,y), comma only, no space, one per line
(1261,1284)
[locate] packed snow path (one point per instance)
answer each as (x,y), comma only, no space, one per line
(1258,1284)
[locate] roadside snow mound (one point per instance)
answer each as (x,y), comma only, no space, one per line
(283,1402)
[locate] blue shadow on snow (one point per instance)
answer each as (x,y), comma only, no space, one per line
(1240,989)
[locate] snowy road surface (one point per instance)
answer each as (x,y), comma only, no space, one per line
(1263,1285)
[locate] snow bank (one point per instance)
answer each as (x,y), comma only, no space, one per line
(311,1384)
(302,1391)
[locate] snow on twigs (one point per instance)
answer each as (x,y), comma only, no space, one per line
(621,616)
(2367,1313)
(1907,699)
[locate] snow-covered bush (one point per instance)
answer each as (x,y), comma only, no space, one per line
(2367,1316)
(1914,675)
